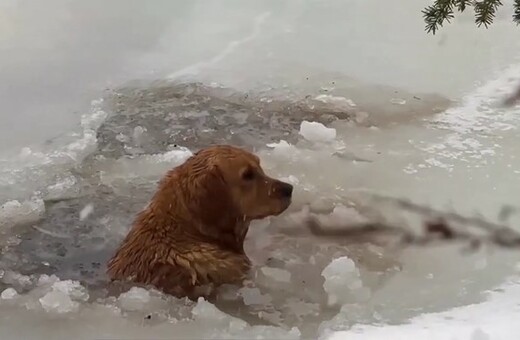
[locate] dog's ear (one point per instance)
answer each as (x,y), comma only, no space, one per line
(207,195)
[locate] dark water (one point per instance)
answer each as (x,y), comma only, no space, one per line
(196,115)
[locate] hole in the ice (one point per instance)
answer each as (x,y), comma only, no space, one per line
(298,275)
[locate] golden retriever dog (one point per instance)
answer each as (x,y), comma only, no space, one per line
(191,234)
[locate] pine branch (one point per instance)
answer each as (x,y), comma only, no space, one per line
(436,14)
(485,11)
(462,4)
(516,14)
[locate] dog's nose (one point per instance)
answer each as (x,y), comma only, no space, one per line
(285,189)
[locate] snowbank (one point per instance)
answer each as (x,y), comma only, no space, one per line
(490,320)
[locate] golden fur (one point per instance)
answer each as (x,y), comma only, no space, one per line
(192,232)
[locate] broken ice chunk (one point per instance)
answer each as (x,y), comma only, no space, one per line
(58,302)
(341,278)
(66,187)
(72,288)
(277,274)
(139,135)
(62,295)
(317,132)
(134,299)
(336,101)
(253,296)
(204,310)
(343,213)
(281,147)
(479,334)
(14,212)
(86,211)
(8,294)
(397,101)
(15,279)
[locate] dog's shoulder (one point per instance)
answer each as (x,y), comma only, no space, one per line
(175,261)
(186,268)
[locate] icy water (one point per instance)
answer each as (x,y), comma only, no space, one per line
(100,100)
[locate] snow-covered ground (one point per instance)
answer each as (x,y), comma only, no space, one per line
(488,320)
(341,98)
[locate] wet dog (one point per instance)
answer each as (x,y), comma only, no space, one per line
(191,234)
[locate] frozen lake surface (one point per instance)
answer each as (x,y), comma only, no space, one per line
(343,99)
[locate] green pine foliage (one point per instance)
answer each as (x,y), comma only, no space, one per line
(442,11)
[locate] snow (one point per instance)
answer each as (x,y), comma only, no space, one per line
(488,320)
(317,132)
(477,114)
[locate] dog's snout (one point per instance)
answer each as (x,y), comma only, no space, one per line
(285,189)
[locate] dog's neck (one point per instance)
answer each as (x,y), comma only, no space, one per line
(210,224)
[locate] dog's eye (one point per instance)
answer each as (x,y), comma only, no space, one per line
(248,174)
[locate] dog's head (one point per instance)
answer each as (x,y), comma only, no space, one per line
(255,194)
(223,182)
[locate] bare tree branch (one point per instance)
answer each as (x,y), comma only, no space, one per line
(439,226)
(514,98)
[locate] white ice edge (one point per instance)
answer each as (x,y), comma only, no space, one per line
(493,319)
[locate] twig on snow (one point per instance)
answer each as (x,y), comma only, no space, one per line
(438,226)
